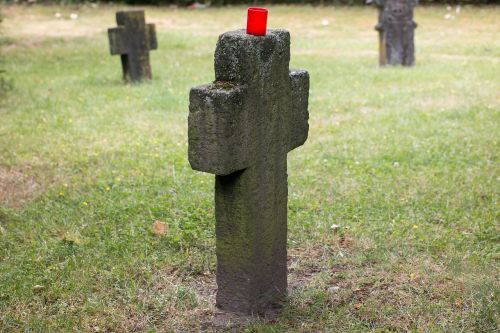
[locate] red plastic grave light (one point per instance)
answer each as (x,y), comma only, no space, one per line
(257,21)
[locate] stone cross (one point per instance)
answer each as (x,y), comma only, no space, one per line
(132,40)
(241,128)
(396,32)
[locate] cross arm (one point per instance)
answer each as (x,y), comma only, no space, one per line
(299,126)
(117,44)
(217,128)
(151,35)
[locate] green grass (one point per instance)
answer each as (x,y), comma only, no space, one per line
(405,161)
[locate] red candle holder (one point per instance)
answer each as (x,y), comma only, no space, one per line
(257,21)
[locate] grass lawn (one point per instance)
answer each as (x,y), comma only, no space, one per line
(404,161)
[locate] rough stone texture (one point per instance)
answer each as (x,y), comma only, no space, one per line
(132,40)
(241,128)
(396,32)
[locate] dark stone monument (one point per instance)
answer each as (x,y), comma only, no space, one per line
(241,128)
(132,40)
(396,32)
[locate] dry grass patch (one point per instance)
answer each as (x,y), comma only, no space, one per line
(16,187)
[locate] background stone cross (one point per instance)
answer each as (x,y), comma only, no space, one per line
(241,128)
(132,40)
(396,32)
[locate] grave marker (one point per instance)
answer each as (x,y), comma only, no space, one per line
(396,32)
(241,128)
(132,40)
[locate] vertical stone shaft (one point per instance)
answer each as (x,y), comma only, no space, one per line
(251,237)
(251,205)
(135,63)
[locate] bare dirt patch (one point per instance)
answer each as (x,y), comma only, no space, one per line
(16,188)
(305,264)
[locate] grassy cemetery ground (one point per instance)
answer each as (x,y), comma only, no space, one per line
(393,200)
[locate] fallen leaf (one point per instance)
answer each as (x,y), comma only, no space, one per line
(159,228)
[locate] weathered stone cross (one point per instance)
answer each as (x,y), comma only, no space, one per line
(132,40)
(241,128)
(396,32)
